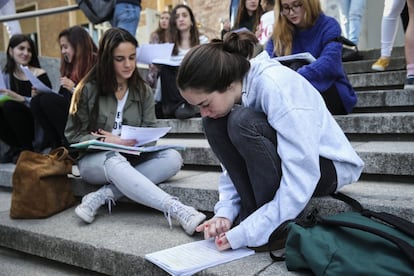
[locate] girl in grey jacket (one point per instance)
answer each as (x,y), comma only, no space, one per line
(111,95)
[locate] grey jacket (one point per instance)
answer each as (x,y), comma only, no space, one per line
(138,111)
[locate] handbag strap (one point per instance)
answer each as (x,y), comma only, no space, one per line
(60,154)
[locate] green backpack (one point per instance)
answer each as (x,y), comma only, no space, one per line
(363,242)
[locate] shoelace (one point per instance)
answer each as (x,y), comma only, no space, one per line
(179,209)
(111,202)
(97,199)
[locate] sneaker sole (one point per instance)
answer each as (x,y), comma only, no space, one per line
(81,214)
(378,68)
(409,87)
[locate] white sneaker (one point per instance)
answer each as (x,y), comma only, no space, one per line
(91,203)
(188,217)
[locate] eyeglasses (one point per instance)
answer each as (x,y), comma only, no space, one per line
(295,8)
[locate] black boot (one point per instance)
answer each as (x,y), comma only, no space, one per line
(185,111)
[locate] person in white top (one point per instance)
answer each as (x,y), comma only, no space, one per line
(277,142)
(265,29)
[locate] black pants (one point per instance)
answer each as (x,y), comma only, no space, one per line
(51,111)
(16,125)
(246,145)
(333,101)
(171,98)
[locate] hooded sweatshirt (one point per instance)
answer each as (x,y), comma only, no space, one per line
(305,131)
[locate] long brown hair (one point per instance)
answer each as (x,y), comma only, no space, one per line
(11,66)
(103,73)
(283,29)
(175,34)
(85,53)
(242,15)
(162,35)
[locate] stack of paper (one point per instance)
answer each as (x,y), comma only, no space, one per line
(190,258)
(143,135)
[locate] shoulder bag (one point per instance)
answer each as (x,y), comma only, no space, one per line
(41,186)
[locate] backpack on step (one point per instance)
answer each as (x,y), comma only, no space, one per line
(360,242)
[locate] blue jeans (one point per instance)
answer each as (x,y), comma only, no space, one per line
(135,178)
(126,16)
(246,145)
(351,12)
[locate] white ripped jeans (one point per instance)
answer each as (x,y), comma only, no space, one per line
(138,182)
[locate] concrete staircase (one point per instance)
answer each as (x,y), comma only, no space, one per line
(381,130)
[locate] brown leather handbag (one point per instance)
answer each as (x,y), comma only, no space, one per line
(41,186)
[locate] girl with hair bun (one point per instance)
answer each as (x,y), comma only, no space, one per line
(277,142)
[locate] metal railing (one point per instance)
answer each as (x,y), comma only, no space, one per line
(23,15)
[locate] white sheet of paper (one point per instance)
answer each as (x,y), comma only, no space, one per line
(146,53)
(190,258)
(2,84)
(38,84)
(143,135)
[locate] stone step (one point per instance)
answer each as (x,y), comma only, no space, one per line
(18,263)
(378,80)
(362,123)
(116,244)
(364,66)
(386,99)
(394,159)
(377,123)
(380,157)
(374,54)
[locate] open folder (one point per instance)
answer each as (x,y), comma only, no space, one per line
(303,58)
(143,135)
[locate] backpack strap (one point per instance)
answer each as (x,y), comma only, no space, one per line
(399,223)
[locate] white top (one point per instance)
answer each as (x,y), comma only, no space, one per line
(266,26)
(116,129)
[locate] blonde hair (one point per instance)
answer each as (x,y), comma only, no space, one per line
(283,29)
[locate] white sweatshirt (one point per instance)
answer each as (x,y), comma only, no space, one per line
(305,130)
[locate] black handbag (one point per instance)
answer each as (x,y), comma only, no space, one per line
(97,11)
(350,50)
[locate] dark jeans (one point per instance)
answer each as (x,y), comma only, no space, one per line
(246,145)
(51,111)
(333,101)
(16,125)
(170,95)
